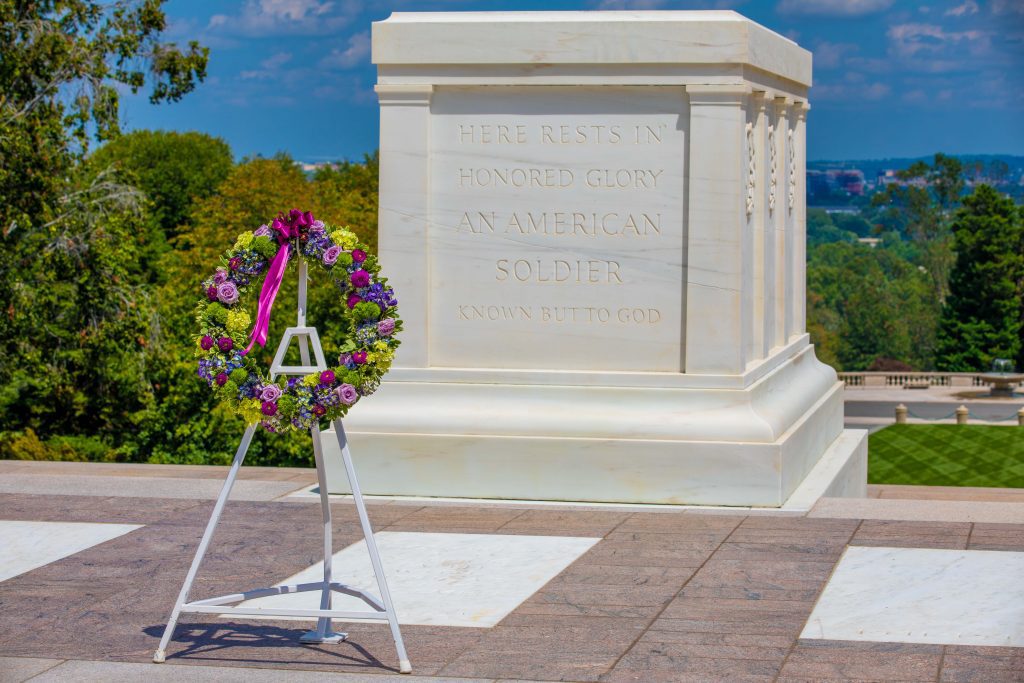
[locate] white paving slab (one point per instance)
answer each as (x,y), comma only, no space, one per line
(915,595)
(25,546)
(471,580)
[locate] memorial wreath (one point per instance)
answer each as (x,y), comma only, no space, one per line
(370,319)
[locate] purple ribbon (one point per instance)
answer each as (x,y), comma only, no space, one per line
(286,229)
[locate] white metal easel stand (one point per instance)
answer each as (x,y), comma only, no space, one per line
(381,609)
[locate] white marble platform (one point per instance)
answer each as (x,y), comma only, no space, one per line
(915,595)
(25,546)
(471,580)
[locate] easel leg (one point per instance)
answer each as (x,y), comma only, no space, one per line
(371,545)
(225,491)
(323,632)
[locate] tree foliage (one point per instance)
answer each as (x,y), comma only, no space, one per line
(982,318)
(172,169)
(77,314)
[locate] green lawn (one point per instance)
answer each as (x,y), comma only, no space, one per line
(947,455)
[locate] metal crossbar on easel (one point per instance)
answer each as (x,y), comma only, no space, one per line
(381,609)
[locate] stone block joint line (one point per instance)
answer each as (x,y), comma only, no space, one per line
(380,609)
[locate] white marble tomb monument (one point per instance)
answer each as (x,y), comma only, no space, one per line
(595,225)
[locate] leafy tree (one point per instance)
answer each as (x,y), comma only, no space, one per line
(173,169)
(865,304)
(982,318)
(921,210)
(63,61)
(76,321)
(821,229)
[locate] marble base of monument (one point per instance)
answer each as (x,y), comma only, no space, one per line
(609,437)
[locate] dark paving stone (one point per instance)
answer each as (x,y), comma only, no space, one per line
(963,664)
(854,661)
(663,667)
(565,523)
(997,537)
(678,522)
(900,534)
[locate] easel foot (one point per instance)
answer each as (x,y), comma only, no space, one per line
(405,667)
(332,637)
(159,657)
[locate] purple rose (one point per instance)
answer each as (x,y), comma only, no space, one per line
(353,299)
(359,357)
(327,377)
(318,224)
(206,342)
(269,408)
(263,230)
(221,379)
(227,292)
(386,327)
(211,293)
(225,344)
(331,255)
(347,394)
(271,392)
(358,255)
(360,278)
(220,277)
(319,410)
(345,359)
(234,262)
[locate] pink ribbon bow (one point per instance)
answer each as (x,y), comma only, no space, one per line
(286,229)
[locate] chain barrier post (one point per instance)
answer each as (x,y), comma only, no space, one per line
(961,415)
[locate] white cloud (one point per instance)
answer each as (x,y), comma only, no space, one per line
(287,17)
(836,8)
(850,92)
(907,40)
(1007,7)
(830,55)
(276,60)
(968,8)
(354,55)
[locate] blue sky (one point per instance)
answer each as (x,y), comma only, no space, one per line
(892,78)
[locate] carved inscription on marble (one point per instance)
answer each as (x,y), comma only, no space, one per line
(561,219)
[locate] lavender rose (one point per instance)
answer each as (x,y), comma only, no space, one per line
(220,277)
(347,394)
(331,255)
(271,392)
(360,278)
(386,327)
(345,359)
(227,292)
(262,231)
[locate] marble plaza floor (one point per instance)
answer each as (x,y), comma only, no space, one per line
(908,585)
